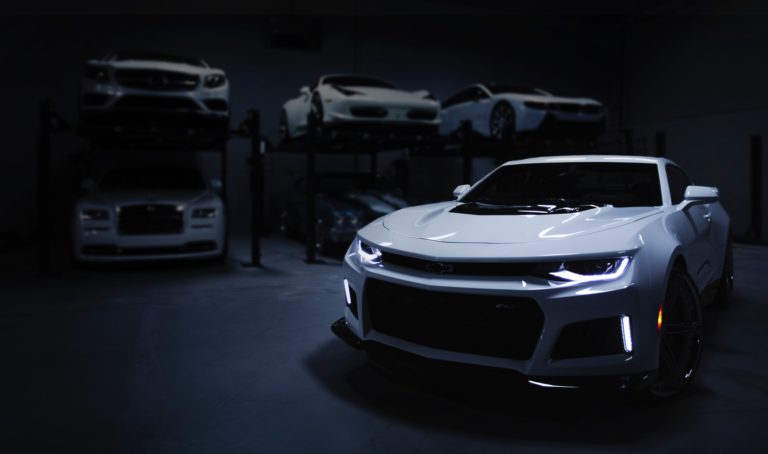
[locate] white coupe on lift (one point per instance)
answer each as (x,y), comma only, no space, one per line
(572,271)
(143,214)
(503,112)
(343,102)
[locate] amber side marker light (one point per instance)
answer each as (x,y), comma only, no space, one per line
(659,319)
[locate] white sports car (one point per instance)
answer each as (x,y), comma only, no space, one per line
(501,112)
(571,271)
(359,103)
(138,83)
(141,214)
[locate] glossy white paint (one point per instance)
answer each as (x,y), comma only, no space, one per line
(478,111)
(336,106)
(652,238)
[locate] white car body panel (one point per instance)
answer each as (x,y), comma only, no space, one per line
(653,237)
(478,112)
(95,233)
(337,107)
(115,91)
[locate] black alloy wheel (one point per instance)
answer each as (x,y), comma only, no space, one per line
(682,337)
(502,123)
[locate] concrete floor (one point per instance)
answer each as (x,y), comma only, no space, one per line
(220,358)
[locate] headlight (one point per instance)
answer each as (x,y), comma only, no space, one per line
(94,215)
(97,73)
(369,255)
(589,270)
(215,80)
(204,213)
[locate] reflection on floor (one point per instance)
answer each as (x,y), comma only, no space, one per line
(215,357)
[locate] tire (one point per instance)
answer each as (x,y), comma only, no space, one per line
(284,129)
(681,338)
(722,299)
(502,123)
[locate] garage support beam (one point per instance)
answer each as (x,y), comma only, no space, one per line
(756,167)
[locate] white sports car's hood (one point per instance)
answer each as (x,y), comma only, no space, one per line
(435,222)
(389,94)
(547,98)
(175,197)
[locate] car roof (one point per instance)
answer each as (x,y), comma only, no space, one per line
(593,158)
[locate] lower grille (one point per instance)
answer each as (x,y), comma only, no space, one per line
(422,114)
(488,325)
(368,112)
(150,220)
(216,104)
(590,338)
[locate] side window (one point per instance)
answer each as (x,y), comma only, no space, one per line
(678,181)
(479,93)
(459,98)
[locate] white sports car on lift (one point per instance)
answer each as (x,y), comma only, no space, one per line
(142,214)
(571,271)
(139,83)
(359,103)
(503,112)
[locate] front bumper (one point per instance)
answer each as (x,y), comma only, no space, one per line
(563,307)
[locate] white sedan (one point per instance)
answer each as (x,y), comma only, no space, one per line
(502,112)
(124,84)
(570,271)
(362,104)
(142,214)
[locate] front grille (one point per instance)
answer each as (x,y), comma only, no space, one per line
(169,103)
(489,325)
(422,114)
(150,220)
(460,268)
(368,112)
(150,79)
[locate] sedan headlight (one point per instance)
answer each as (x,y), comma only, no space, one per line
(204,213)
(589,270)
(215,80)
(369,255)
(94,215)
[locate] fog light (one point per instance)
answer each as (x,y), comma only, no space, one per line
(626,333)
(346,292)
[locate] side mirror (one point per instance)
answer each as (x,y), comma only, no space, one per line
(305,91)
(217,185)
(698,195)
(87,185)
(460,190)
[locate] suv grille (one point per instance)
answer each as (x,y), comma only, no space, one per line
(150,220)
(150,79)
(490,325)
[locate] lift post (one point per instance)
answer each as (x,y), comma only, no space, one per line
(44,205)
(466,149)
(253,125)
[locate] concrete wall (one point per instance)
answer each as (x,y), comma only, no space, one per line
(702,80)
(43,57)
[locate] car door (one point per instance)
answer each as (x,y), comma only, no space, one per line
(699,218)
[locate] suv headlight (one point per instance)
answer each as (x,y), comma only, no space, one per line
(204,213)
(91,214)
(586,270)
(369,255)
(215,80)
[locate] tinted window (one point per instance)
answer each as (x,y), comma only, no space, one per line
(152,179)
(505,88)
(617,184)
(678,181)
(356,81)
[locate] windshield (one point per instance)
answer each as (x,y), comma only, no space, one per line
(152,179)
(505,88)
(153,56)
(356,81)
(564,187)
